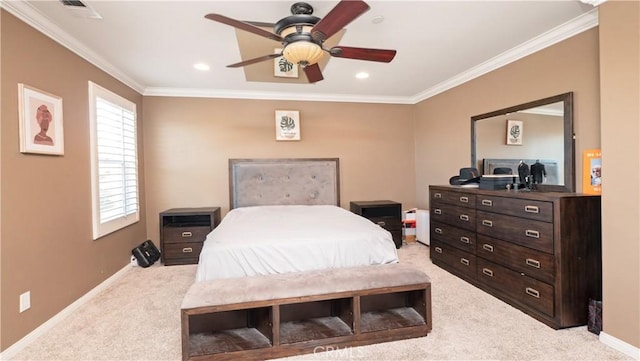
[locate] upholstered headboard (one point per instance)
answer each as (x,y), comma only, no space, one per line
(303,181)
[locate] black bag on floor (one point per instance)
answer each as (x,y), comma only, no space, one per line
(146,253)
(594,323)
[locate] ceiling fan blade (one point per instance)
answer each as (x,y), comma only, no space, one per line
(342,14)
(313,73)
(254,60)
(381,55)
(260,24)
(243,26)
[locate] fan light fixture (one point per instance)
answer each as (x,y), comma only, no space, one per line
(299,46)
(303,53)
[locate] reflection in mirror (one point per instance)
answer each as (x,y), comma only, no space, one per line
(538,132)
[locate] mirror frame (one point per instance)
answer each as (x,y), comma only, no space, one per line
(569,138)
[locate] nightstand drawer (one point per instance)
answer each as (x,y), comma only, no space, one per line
(183,250)
(185,234)
(388,223)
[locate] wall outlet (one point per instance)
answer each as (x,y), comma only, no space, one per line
(25,301)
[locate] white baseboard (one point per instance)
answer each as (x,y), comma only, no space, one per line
(12,350)
(620,345)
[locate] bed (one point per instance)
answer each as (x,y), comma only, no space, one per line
(285,217)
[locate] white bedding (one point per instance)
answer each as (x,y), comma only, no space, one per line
(278,239)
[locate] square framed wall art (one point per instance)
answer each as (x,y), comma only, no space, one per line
(287,125)
(40,117)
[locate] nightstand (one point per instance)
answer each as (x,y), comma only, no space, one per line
(183,231)
(387,214)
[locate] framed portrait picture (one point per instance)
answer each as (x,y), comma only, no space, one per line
(287,125)
(40,117)
(514,132)
(282,68)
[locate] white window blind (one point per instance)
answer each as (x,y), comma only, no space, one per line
(114,161)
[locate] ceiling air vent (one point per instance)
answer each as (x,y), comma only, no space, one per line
(80,9)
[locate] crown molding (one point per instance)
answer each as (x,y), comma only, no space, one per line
(593,2)
(235,94)
(28,14)
(573,27)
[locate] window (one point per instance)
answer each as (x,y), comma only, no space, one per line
(114,161)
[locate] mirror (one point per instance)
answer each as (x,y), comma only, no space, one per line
(539,131)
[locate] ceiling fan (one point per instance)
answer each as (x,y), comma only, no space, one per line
(302,36)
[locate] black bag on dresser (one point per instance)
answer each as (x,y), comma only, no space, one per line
(146,253)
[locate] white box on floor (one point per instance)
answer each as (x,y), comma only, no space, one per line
(422,226)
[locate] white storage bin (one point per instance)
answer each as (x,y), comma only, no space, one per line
(422,226)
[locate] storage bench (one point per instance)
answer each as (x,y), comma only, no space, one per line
(272,316)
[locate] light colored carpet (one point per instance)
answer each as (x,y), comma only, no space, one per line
(138,318)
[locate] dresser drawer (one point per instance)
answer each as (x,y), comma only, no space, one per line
(463,239)
(533,293)
(529,233)
(181,252)
(452,258)
(537,210)
(454,215)
(536,264)
(455,198)
(185,234)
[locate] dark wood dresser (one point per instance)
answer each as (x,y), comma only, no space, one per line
(387,214)
(183,231)
(538,251)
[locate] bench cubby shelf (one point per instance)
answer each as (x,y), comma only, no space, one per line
(273,327)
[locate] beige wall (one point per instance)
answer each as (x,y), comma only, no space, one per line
(47,247)
(188,142)
(620,89)
(443,122)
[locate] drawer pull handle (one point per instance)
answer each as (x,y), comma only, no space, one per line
(187,234)
(437,195)
(438,230)
(464,239)
(533,263)
(487,247)
(532,292)
(532,209)
(187,250)
(464,199)
(382,224)
(438,249)
(531,233)
(464,261)
(487,272)
(487,223)
(487,202)
(437,211)
(464,217)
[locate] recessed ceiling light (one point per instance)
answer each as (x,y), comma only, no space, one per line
(377,19)
(201,66)
(362,75)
